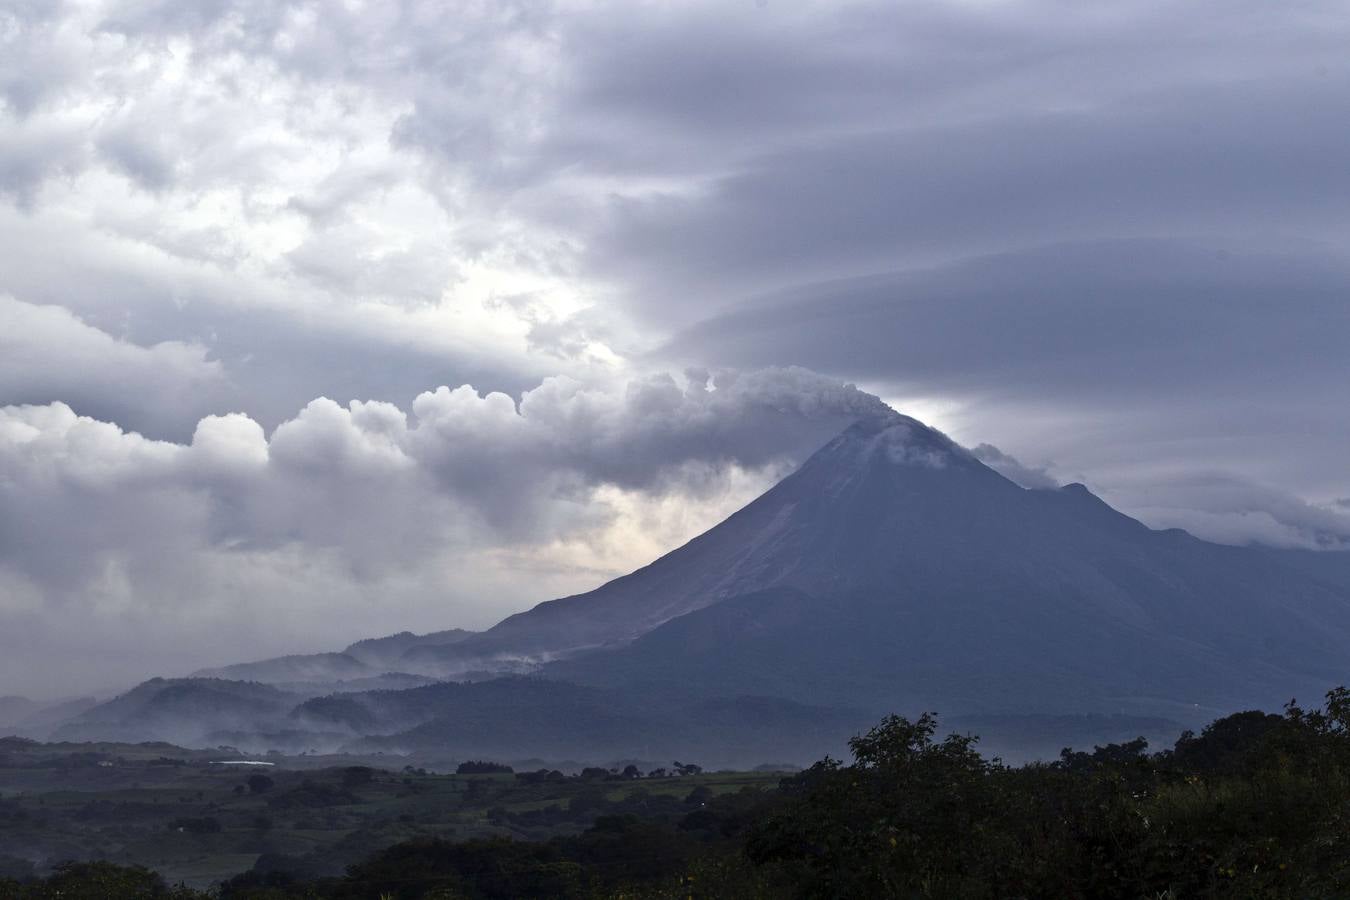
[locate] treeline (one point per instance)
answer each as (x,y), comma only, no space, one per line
(1255,806)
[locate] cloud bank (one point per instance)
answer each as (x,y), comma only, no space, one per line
(462,507)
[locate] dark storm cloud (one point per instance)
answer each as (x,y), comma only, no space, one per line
(1230,163)
(1077,322)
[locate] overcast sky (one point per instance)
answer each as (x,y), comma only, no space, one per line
(320,320)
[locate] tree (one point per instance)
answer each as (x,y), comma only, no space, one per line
(910,817)
(259,783)
(699,795)
(355,776)
(1229,744)
(16,868)
(106,881)
(482,767)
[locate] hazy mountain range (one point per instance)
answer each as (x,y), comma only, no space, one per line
(892,572)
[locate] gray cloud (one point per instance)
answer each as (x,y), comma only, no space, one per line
(1232,510)
(365,508)
(48,354)
(1111,237)
(1031,477)
(907,197)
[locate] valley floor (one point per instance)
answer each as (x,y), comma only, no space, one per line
(198,822)
(1254,806)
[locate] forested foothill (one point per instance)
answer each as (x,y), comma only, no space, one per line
(1256,805)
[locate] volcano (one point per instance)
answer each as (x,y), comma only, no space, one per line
(895,571)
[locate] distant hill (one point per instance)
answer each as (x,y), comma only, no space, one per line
(35,719)
(389,681)
(322,672)
(184,711)
(14,709)
(506,717)
(390,653)
(311,667)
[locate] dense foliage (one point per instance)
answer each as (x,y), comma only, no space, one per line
(1255,806)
